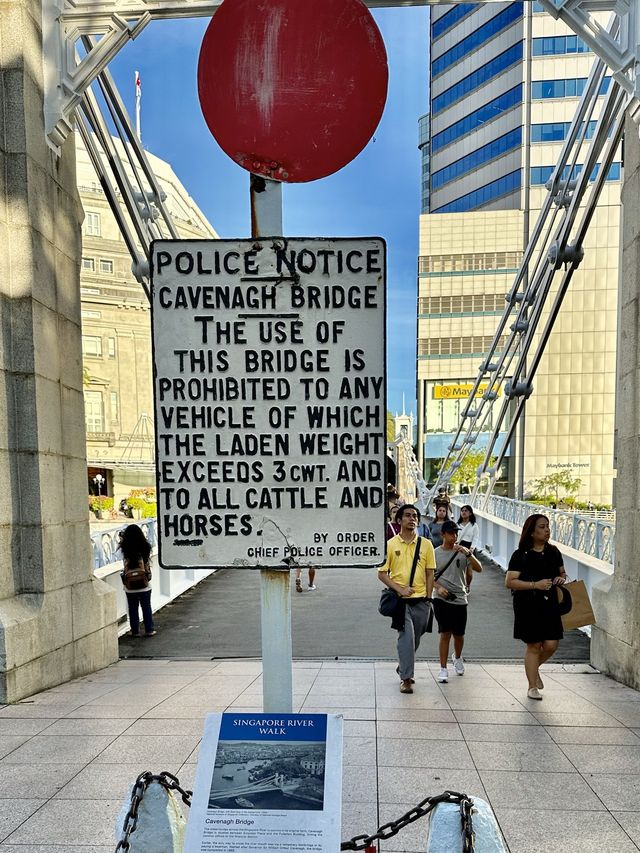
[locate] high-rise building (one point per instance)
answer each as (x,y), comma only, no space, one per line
(505,80)
(116,334)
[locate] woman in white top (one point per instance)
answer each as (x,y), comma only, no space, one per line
(469,535)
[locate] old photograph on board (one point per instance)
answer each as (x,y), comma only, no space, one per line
(268,774)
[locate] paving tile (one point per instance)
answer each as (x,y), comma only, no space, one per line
(610,758)
(359,728)
(423,753)
(630,822)
(166,726)
(107,781)
(545,831)
(14,812)
(510,789)
(412,838)
(70,822)
(23,726)
(617,791)
(419,730)
(100,726)
(545,757)
(504,718)
(489,703)
(413,784)
(496,733)
(46,848)
(41,781)
(425,715)
(593,735)
(10,743)
(627,713)
(63,749)
(361,782)
(594,718)
(150,750)
(358,818)
(359,750)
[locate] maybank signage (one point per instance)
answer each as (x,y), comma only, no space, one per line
(458,391)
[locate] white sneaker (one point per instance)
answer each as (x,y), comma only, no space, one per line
(312,587)
(458,665)
(443,678)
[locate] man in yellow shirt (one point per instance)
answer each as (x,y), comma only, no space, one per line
(396,574)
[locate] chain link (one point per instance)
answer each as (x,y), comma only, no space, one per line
(168,781)
(388,830)
(358,842)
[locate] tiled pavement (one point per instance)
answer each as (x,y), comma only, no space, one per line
(561,775)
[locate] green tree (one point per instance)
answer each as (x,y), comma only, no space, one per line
(560,481)
(466,474)
(391,427)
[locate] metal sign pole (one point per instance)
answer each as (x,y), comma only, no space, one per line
(275,595)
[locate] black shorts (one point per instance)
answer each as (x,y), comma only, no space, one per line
(451,618)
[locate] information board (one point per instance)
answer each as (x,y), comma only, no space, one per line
(267,782)
(270,401)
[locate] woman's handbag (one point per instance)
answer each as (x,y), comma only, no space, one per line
(389,599)
(581,613)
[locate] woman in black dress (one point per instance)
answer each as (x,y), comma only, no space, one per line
(534,568)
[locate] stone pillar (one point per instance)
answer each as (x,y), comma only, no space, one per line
(615,644)
(57,621)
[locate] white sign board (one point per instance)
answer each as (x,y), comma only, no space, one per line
(270,401)
(267,782)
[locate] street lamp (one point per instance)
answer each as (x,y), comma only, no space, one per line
(98,480)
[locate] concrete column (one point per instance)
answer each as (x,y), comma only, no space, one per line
(56,620)
(615,645)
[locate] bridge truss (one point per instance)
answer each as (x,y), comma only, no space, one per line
(81,37)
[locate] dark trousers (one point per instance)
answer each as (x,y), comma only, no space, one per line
(143,599)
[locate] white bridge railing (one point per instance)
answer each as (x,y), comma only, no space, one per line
(592,535)
(166,585)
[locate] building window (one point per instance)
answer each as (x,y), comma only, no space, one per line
(111,347)
(476,303)
(554,45)
(113,398)
(91,315)
(495,148)
(106,266)
(477,78)
(472,345)
(571,87)
(472,42)
(89,264)
(541,174)
(556,131)
(92,225)
(92,346)
(451,18)
(466,262)
(93,411)
(483,195)
(484,114)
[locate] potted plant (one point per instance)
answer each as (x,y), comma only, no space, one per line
(99,504)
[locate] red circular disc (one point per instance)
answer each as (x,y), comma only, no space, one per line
(292,89)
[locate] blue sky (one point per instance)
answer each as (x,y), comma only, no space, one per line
(378,194)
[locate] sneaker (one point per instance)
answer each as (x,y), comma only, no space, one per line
(298,585)
(150,633)
(312,586)
(534,693)
(405,686)
(443,678)
(458,665)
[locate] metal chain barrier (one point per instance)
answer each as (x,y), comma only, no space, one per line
(358,842)
(388,830)
(168,781)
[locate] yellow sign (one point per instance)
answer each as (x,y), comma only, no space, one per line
(457,392)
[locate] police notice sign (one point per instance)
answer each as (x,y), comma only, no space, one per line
(270,401)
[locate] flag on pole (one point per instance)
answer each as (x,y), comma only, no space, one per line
(138,96)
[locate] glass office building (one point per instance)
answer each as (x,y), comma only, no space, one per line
(505,80)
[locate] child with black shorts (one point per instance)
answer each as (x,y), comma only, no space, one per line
(450,596)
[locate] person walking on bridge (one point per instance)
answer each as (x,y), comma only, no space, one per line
(411,621)
(535,568)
